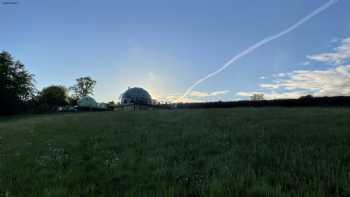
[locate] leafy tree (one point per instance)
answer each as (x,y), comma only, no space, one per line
(257,97)
(84,86)
(73,100)
(307,97)
(111,103)
(54,96)
(16,85)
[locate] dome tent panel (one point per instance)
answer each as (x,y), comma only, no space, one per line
(87,102)
(136,96)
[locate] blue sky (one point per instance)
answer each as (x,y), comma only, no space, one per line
(165,46)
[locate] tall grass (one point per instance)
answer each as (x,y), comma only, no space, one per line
(216,152)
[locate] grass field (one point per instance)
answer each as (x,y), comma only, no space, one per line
(215,152)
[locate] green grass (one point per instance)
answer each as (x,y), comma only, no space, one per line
(215,152)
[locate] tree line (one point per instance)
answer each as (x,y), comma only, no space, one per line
(304,101)
(18,93)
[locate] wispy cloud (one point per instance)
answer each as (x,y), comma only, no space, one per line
(219,93)
(260,44)
(176,98)
(152,76)
(338,56)
(194,97)
(334,40)
(330,82)
(279,75)
(208,94)
(269,86)
(306,63)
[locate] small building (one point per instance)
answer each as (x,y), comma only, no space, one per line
(102,106)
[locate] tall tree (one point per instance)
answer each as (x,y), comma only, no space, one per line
(16,84)
(84,86)
(54,96)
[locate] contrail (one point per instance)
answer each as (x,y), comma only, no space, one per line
(259,44)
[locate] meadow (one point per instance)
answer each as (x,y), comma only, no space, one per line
(204,152)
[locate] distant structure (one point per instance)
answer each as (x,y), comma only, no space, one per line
(137,96)
(87,102)
(102,106)
(257,97)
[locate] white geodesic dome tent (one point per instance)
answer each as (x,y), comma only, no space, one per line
(87,102)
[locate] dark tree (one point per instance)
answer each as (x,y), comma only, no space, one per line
(73,100)
(54,96)
(111,103)
(307,97)
(84,86)
(16,85)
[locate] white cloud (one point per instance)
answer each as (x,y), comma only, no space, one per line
(281,74)
(269,86)
(339,56)
(199,94)
(263,77)
(331,82)
(306,63)
(219,93)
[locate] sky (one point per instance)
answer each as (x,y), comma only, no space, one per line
(164,46)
